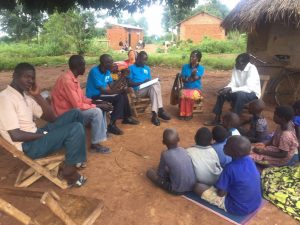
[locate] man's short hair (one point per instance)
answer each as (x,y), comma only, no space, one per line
(203,137)
(75,60)
(103,56)
(21,67)
(244,57)
(141,53)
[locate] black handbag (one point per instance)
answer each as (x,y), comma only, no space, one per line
(175,92)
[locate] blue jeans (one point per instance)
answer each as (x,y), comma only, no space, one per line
(97,119)
(66,132)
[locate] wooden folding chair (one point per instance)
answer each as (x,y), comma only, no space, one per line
(66,208)
(138,105)
(264,80)
(45,167)
(198,106)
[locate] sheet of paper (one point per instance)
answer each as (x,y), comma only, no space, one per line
(149,83)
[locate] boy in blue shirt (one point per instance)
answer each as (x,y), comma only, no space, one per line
(139,74)
(220,135)
(238,190)
(100,86)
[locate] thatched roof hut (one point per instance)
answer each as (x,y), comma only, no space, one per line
(249,15)
(273,28)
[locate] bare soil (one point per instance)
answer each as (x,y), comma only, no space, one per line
(119,178)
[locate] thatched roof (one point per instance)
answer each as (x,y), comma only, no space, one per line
(248,15)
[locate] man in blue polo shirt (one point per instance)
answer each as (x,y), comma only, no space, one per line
(238,190)
(100,87)
(139,74)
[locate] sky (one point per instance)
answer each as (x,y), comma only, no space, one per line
(153,15)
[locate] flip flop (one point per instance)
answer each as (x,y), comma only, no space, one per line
(80,182)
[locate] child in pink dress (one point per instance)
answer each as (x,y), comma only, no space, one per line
(283,145)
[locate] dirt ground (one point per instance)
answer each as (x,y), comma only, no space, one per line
(119,178)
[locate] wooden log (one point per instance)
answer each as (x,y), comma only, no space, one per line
(48,200)
(94,215)
(16,213)
(31,193)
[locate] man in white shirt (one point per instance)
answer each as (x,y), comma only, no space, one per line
(244,87)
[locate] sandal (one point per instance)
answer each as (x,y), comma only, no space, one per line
(80,182)
(81,165)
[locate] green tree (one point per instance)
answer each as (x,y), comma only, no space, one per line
(213,7)
(65,30)
(173,15)
(19,25)
(141,22)
(113,6)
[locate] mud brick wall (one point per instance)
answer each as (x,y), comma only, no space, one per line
(115,34)
(200,26)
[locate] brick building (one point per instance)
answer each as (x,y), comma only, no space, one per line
(199,26)
(117,33)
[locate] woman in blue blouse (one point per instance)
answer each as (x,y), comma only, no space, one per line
(191,75)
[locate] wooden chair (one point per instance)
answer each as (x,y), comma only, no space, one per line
(264,80)
(198,104)
(138,105)
(65,208)
(44,167)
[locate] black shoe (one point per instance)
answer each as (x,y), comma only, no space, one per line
(163,115)
(155,121)
(100,149)
(130,120)
(114,130)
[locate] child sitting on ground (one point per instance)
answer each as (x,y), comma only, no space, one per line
(220,135)
(258,131)
(231,121)
(281,148)
(175,172)
(296,121)
(237,190)
(205,160)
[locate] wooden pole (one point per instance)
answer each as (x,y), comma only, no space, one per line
(54,206)
(14,212)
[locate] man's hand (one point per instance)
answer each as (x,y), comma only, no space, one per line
(35,90)
(224,91)
(105,106)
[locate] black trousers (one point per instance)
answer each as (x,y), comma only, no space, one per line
(238,99)
(120,103)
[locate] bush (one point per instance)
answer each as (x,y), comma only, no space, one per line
(235,43)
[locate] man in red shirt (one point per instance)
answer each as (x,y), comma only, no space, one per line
(67,94)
